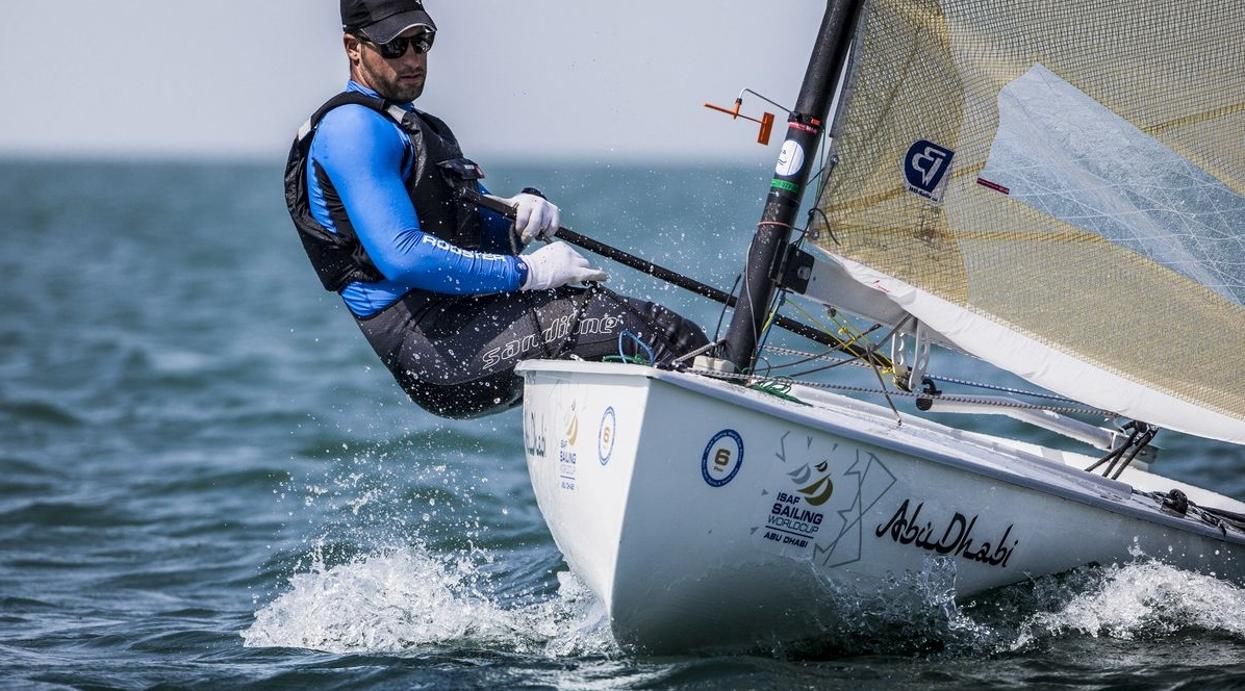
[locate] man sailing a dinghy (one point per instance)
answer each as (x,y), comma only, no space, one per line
(378,192)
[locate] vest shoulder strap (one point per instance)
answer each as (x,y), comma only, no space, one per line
(345,98)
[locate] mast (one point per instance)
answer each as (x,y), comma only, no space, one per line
(799,154)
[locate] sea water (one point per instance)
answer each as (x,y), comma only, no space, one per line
(207,479)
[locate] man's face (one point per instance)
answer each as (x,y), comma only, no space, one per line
(400,80)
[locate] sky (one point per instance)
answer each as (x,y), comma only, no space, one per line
(518,80)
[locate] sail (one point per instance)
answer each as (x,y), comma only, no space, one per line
(1058,188)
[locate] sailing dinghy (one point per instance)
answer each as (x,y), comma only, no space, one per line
(1053,188)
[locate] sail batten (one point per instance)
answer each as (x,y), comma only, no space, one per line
(1069,173)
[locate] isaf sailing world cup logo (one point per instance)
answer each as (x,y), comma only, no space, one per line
(926,167)
(816,498)
(819,490)
(568,457)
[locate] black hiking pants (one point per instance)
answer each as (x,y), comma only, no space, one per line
(455,356)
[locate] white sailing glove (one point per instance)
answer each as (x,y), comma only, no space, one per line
(535,217)
(556,265)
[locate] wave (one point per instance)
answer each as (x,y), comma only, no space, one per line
(1140,600)
(919,615)
(407,601)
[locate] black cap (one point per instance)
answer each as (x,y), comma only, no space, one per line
(382,20)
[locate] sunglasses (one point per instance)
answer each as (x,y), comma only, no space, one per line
(422,43)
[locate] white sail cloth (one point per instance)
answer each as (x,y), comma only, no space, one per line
(1048,368)
(1058,188)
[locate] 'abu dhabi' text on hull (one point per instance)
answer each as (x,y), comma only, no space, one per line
(956,539)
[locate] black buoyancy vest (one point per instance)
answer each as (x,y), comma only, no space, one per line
(438,188)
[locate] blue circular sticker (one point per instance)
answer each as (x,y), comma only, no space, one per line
(722,458)
(605,436)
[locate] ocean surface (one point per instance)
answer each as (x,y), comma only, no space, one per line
(206,478)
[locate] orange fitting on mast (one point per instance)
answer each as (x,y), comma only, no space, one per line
(734,113)
(766,121)
(767,128)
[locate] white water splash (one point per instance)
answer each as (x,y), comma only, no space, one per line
(408,602)
(917,614)
(1147,599)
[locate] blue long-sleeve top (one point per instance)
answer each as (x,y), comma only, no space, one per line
(368,160)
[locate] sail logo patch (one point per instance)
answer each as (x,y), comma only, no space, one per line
(723,457)
(926,167)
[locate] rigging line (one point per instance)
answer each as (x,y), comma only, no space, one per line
(1176,501)
(776,224)
(1142,443)
(846,328)
(1015,405)
(813,357)
(996,387)
(871,352)
(816,322)
(752,308)
(842,326)
(776,302)
(845,346)
(699,351)
(773,315)
(856,362)
(1115,454)
(775,305)
(826,142)
(821,183)
(768,367)
(882,383)
(817,180)
(868,353)
(717,332)
(812,213)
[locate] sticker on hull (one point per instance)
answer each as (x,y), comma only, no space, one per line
(534,437)
(606,432)
(568,457)
(722,459)
(813,507)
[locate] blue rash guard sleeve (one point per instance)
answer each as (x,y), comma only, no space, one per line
(363,155)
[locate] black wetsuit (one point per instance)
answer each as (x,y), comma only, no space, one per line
(455,356)
(441,304)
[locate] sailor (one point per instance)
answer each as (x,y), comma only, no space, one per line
(377,190)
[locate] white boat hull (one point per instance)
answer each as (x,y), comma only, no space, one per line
(703,514)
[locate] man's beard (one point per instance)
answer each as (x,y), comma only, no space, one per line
(400,91)
(390,85)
